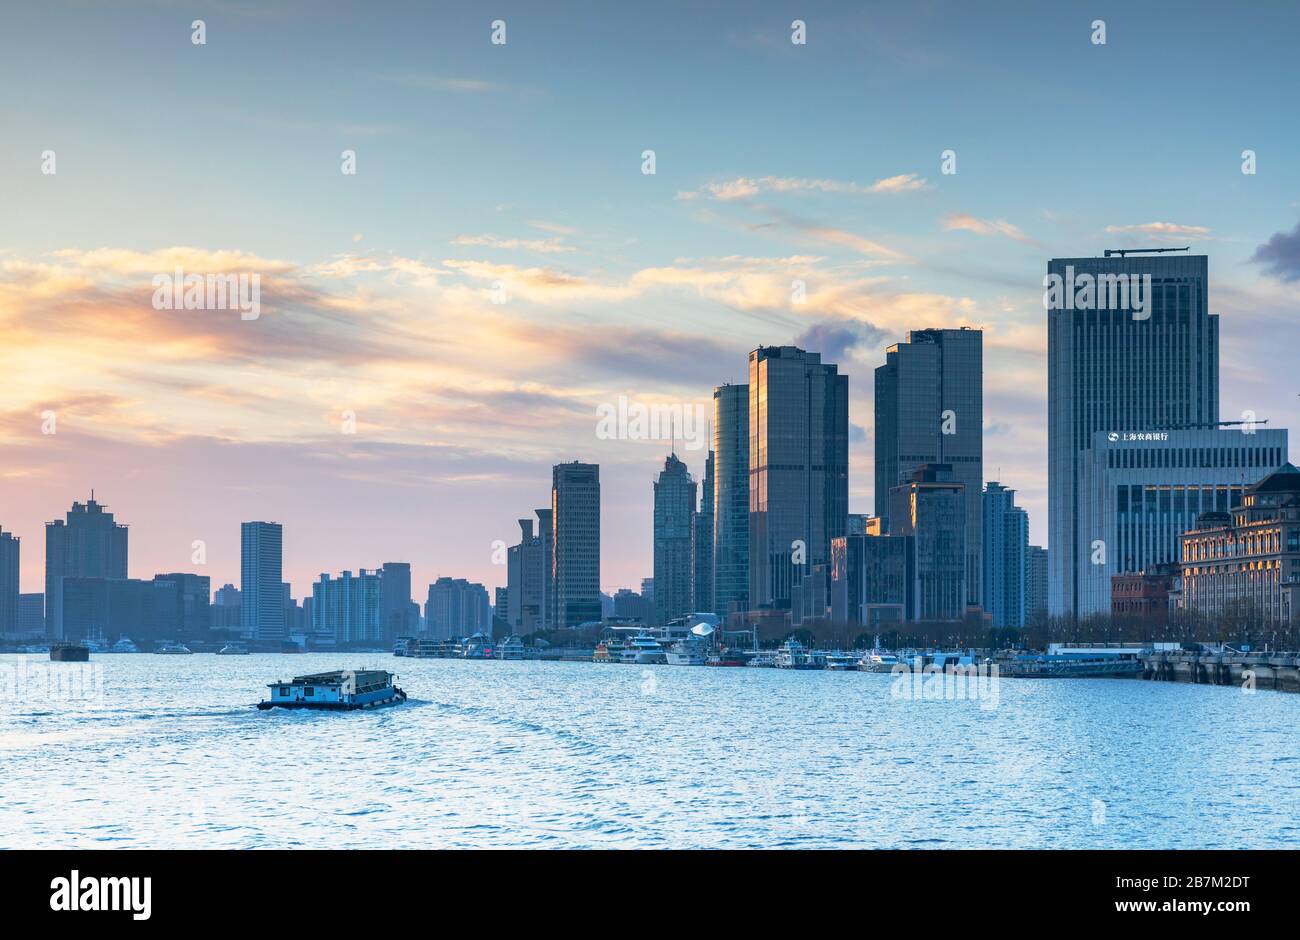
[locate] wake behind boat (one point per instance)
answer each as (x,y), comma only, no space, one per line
(345,690)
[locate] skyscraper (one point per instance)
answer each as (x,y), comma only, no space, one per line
(930,511)
(526,580)
(261,571)
(1005,556)
(730,498)
(88,544)
(1036,583)
(798,468)
(1137,360)
(457,608)
(395,600)
(702,544)
(930,409)
(575,565)
(674,520)
(9,584)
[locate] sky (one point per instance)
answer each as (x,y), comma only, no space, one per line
(383,407)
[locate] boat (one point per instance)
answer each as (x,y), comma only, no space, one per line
(841,662)
(344,690)
(233,649)
(124,645)
(477,646)
(643,649)
(793,655)
(878,661)
(689,652)
(69,653)
(1053,666)
(762,661)
(602,655)
(511,648)
(726,658)
(173,649)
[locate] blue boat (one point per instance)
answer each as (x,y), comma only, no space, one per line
(336,691)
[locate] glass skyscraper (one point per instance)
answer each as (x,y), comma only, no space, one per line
(87,544)
(929,409)
(261,586)
(1005,556)
(730,498)
(798,468)
(575,507)
(674,519)
(1119,367)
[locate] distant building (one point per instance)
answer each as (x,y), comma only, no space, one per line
(798,468)
(929,409)
(1005,556)
(110,608)
(1247,560)
(457,608)
(88,543)
(674,519)
(869,580)
(31,615)
(648,589)
(194,617)
(731,498)
(9,584)
(527,579)
(931,512)
(629,605)
(1144,595)
(261,572)
(575,503)
(226,611)
(348,608)
(1036,583)
(810,598)
(702,544)
(395,613)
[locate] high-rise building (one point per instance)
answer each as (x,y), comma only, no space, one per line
(702,545)
(457,608)
(575,566)
(930,410)
(1138,494)
(349,608)
(869,580)
(110,608)
(730,498)
(31,615)
(546,533)
(226,611)
(1005,556)
(87,544)
(1036,583)
(674,520)
(395,601)
(931,512)
(526,580)
(1131,349)
(9,584)
(261,585)
(193,618)
(798,468)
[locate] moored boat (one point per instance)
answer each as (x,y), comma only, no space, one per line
(511,648)
(69,653)
(688,652)
(841,662)
(173,649)
(233,649)
(644,649)
(345,690)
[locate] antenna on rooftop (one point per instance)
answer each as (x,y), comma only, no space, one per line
(1135,251)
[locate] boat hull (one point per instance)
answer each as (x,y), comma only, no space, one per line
(396,699)
(69,654)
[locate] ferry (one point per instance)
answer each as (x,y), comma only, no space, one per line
(762,661)
(793,655)
(643,649)
(124,645)
(477,646)
(511,648)
(689,652)
(841,662)
(878,661)
(348,690)
(69,653)
(173,649)
(233,649)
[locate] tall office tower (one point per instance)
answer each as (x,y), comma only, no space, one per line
(869,582)
(575,565)
(395,600)
(674,519)
(1121,358)
(526,579)
(546,532)
(9,589)
(798,468)
(88,544)
(1139,493)
(931,511)
(261,571)
(457,608)
(1005,556)
(930,409)
(730,498)
(702,545)
(193,593)
(349,608)
(1036,583)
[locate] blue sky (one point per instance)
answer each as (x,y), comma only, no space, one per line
(522,163)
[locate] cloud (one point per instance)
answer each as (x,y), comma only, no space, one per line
(1160,230)
(1280,255)
(837,338)
(962,222)
(541,245)
(473,86)
(746,187)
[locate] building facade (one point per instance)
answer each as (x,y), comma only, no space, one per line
(9,583)
(349,608)
(674,520)
(702,545)
(527,579)
(575,567)
(1036,583)
(1247,560)
(731,498)
(1005,556)
(457,608)
(260,589)
(87,543)
(869,580)
(929,409)
(1141,359)
(930,511)
(798,468)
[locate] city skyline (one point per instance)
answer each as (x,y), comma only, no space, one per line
(620,283)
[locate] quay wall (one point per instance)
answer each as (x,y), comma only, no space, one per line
(1267,671)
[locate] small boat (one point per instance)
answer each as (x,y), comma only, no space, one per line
(345,690)
(726,658)
(841,662)
(793,655)
(877,661)
(124,645)
(691,651)
(511,648)
(601,654)
(69,653)
(173,649)
(762,661)
(642,650)
(233,649)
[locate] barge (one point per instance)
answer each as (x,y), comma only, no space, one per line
(348,690)
(69,653)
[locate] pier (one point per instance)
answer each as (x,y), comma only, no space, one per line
(1280,671)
